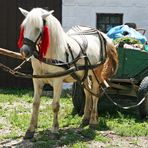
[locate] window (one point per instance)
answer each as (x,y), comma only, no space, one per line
(105,21)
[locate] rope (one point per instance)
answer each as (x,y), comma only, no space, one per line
(20,66)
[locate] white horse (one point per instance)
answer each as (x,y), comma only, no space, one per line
(43,38)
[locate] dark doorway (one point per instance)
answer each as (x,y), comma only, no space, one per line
(11,19)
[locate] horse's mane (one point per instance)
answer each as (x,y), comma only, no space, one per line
(34,18)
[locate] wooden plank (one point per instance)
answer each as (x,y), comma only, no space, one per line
(122,80)
(10,53)
(118,86)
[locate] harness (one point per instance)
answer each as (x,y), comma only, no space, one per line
(82,55)
(84,46)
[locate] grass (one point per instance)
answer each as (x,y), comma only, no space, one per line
(126,125)
(16,106)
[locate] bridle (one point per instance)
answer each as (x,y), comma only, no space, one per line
(34,46)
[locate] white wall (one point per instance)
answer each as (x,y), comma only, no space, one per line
(83,12)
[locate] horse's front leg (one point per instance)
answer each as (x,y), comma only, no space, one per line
(57,89)
(34,119)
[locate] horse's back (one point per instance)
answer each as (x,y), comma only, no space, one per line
(90,39)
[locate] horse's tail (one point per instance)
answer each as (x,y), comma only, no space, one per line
(111,64)
(113,56)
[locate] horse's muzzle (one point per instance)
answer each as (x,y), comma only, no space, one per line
(26,51)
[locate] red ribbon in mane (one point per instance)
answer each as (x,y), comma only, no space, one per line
(44,43)
(20,41)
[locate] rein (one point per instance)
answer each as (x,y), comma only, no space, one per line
(123,107)
(71,70)
(64,73)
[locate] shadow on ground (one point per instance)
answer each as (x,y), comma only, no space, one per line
(65,137)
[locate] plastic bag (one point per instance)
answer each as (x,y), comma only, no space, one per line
(124,30)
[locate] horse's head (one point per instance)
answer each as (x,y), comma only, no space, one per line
(34,32)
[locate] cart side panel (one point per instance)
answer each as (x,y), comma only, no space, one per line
(132,64)
(121,56)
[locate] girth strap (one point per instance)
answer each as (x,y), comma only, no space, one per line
(74,75)
(83,48)
(55,62)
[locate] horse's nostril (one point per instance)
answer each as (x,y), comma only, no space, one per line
(25,51)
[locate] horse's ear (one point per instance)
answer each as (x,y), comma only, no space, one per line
(47,14)
(23,11)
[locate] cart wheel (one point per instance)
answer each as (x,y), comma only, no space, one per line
(143,92)
(78,98)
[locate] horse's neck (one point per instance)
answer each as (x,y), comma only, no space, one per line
(57,40)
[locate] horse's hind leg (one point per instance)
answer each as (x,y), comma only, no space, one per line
(94,112)
(34,119)
(88,104)
(57,88)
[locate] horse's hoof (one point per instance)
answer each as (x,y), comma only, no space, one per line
(28,135)
(84,123)
(93,126)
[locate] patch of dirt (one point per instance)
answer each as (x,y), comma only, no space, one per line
(6,129)
(125,142)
